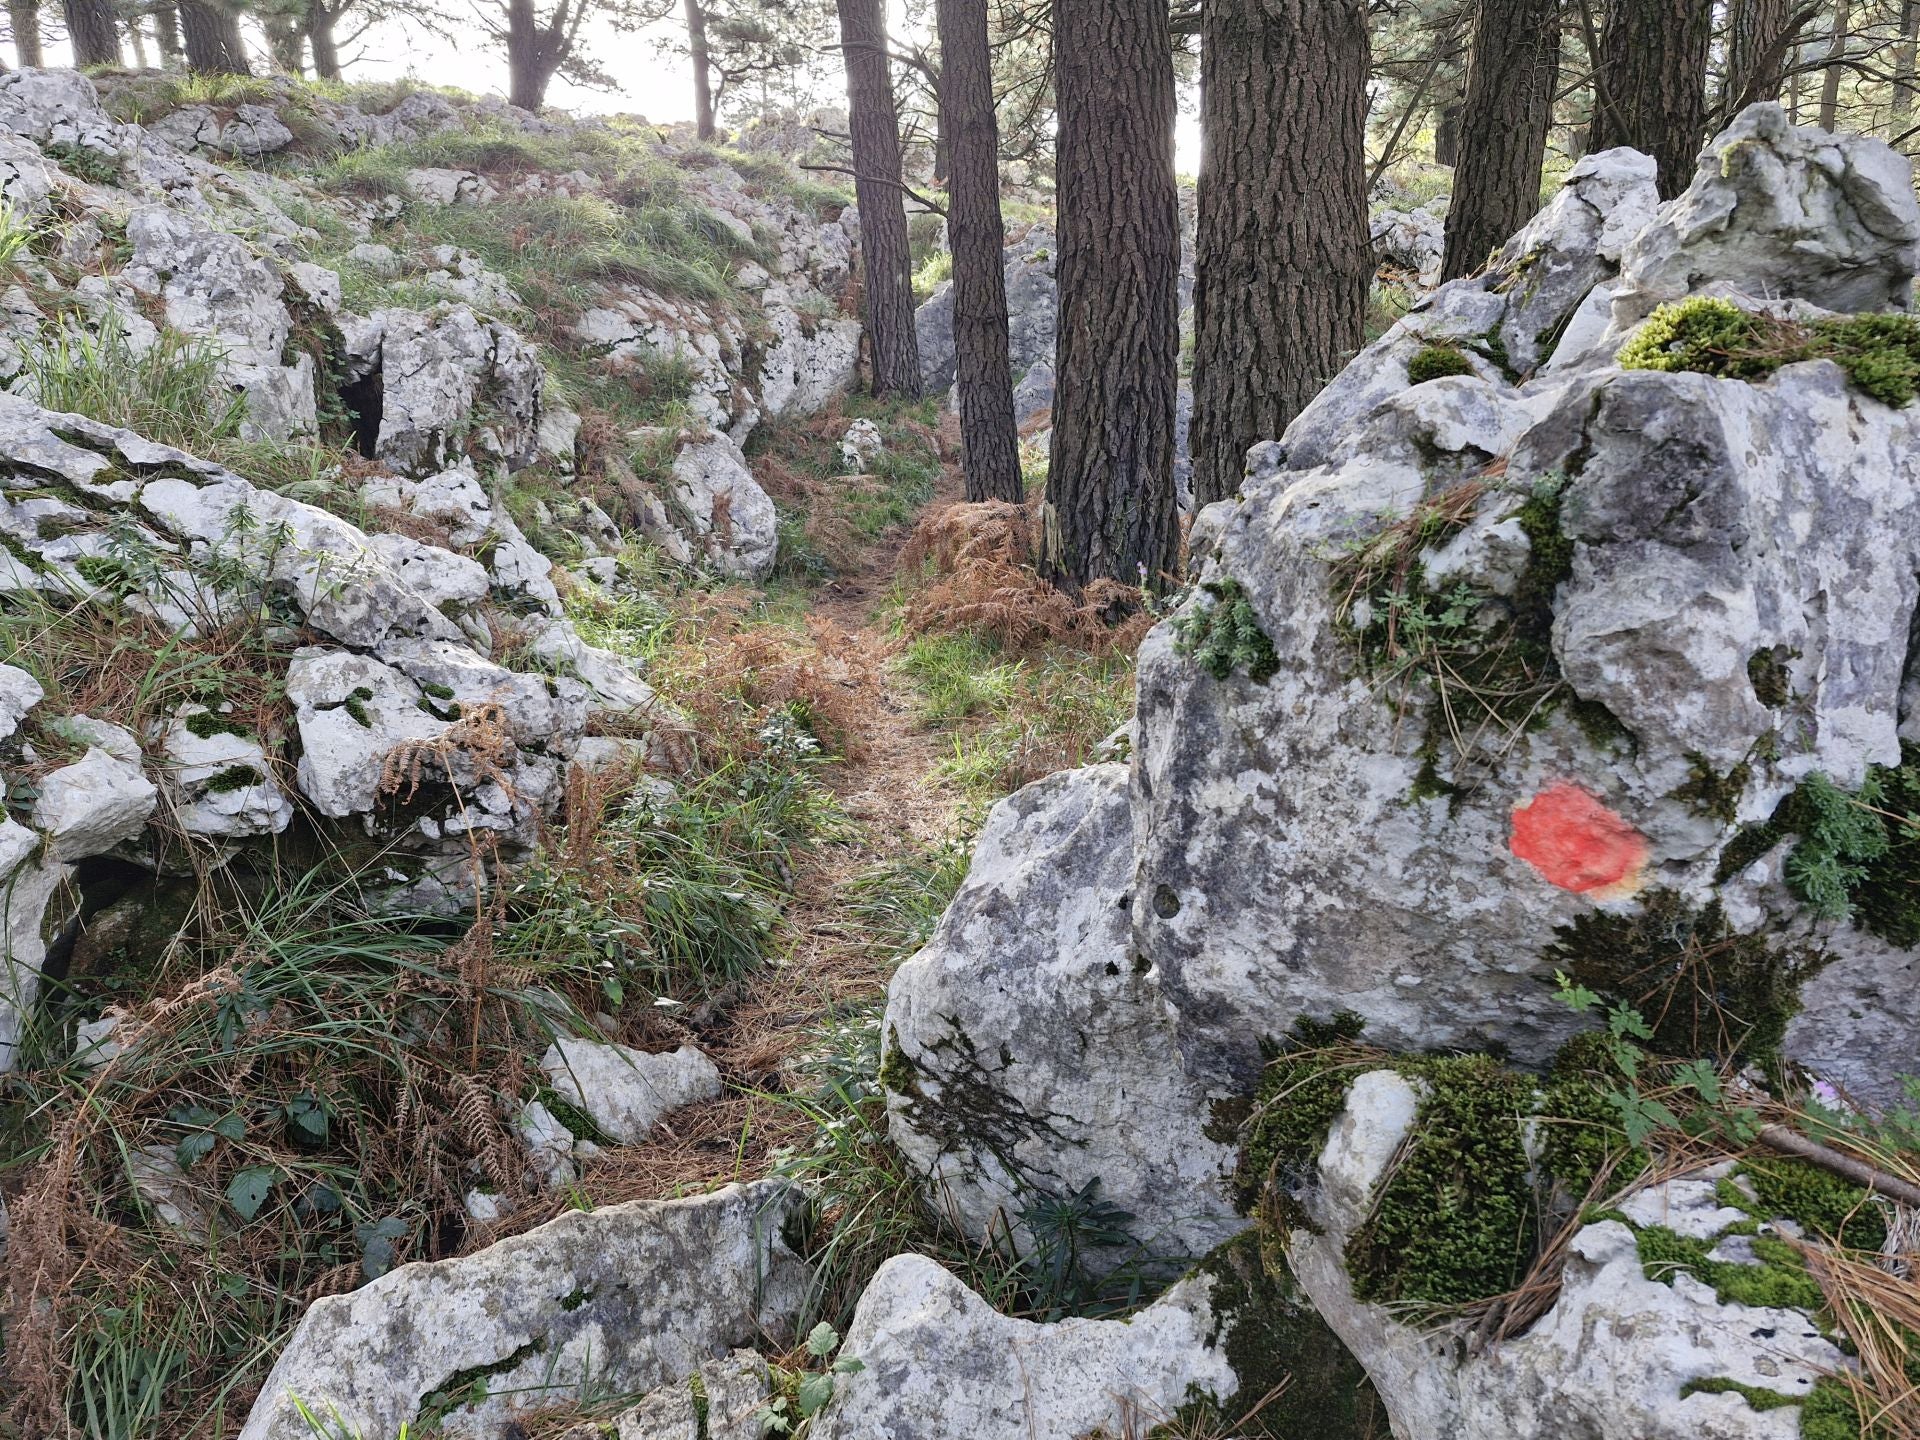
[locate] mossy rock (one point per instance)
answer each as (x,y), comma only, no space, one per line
(1226,636)
(1277,1342)
(1434,362)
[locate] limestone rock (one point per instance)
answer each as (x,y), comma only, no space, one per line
(1032,313)
(449,376)
(19,693)
(732,1394)
(727,517)
(629,1297)
(940,1364)
(860,447)
(1780,210)
(626,1091)
(1413,240)
(92,805)
(224,778)
(995,1099)
(1661,1339)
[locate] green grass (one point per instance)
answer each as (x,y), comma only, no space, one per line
(171,393)
(959,674)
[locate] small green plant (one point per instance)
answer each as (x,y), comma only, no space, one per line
(94,166)
(1436,361)
(171,392)
(1226,636)
(805,1393)
(1840,837)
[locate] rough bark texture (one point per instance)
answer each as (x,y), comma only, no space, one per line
(1110,503)
(25,15)
(535,51)
(1511,72)
(321,43)
(1446,134)
(94,31)
(1651,83)
(875,126)
(166,30)
(1903,66)
(983,379)
(1282,248)
(702,57)
(1756,52)
(1830,78)
(211,35)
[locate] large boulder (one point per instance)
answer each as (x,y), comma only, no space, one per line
(1482,681)
(628,1298)
(1033,304)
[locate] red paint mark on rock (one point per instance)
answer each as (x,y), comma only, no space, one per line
(1579,844)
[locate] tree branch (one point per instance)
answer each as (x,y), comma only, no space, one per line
(905,189)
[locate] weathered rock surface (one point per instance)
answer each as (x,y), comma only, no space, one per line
(625,1091)
(940,1364)
(1691,595)
(630,1297)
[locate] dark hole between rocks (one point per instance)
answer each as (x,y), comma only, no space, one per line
(364,401)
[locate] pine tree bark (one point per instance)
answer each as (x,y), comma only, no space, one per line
(25,15)
(884,244)
(211,34)
(977,236)
(1651,84)
(321,43)
(1830,77)
(94,31)
(166,30)
(702,56)
(1512,68)
(1282,246)
(1110,509)
(1904,92)
(535,51)
(1756,58)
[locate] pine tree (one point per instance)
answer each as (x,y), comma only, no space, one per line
(1511,72)
(1110,504)
(1650,84)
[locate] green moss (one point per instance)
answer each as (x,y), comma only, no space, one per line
(33,562)
(1455,1220)
(1772,681)
(1815,1199)
(1879,353)
(1711,793)
(1830,1412)
(1435,361)
(1758,1398)
(1779,1281)
(1705,989)
(897,1075)
(467,1388)
(1886,898)
(1300,1095)
(206,724)
(234,777)
(1580,1127)
(1295,1376)
(1226,635)
(570,1115)
(356,706)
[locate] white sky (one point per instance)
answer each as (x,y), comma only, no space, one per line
(653,81)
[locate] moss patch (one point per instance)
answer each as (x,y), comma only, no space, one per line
(1880,353)
(1455,1220)
(1301,1093)
(1780,1280)
(1435,361)
(1276,1341)
(1705,989)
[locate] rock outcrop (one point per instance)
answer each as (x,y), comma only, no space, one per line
(1508,662)
(630,1298)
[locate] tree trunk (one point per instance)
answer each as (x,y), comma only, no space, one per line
(1110,502)
(286,38)
(977,236)
(1511,72)
(212,37)
(1650,87)
(1446,134)
(1283,252)
(1903,66)
(95,32)
(702,58)
(888,255)
(534,53)
(320,41)
(1756,60)
(25,15)
(166,30)
(1830,77)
